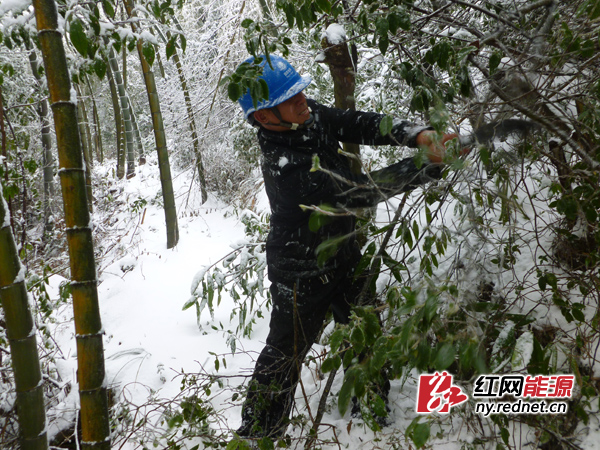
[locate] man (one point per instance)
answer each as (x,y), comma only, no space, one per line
(291,130)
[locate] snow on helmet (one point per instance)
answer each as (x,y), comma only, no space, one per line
(283,81)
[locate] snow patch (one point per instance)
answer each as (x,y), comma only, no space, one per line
(283,161)
(335,34)
(13,6)
(6,221)
(20,278)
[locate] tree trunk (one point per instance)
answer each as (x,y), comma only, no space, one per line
(114,65)
(117,112)
(47,159)
(21,338)
(341,66)
(192,122)
(88,326)
(161,142)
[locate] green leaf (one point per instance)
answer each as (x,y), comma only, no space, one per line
(318,220)
(234,91)
(594,9)
(444,357)
(336,339)
(345,394)
(331,364)
(266,443)
(578,314)
(247,23)
(382,26)
(316,163)
(495,59)
(8,43)
(238,444)
(542,282)
(465,81)
(100,68)
(191,302)
(357,339)
(149,52)
(78,37)
(171,47)
(324,5)
(328,249)
(383,44)
(386,125)
(108,8)
(415,229)
(441,54)
(484,153)
(522,352)
(264,89)
(131,45)
(420,434)
(372,328)
(379,407)
(505,435)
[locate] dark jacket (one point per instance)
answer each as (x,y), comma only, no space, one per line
(289,183)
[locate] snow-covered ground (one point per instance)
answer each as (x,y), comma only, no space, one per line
(151,342)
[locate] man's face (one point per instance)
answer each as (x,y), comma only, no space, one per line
(293,110)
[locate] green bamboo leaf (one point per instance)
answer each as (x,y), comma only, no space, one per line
(191,302)
(149,52)
(522,352)
(78,37)
(444,357)
(171,46)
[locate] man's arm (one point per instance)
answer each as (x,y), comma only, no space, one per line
(358,127)
(385,183)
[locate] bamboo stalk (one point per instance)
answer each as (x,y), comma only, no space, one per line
(88,327)
(160,139)
(20,330)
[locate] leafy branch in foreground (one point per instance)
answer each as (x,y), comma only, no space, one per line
(240,275)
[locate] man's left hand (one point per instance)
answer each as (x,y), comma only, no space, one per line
(435,145)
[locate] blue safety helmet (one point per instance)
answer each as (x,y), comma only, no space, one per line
(283,81)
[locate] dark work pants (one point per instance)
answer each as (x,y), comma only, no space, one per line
(299,310)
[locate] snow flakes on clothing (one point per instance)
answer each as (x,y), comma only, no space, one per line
(283,161)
